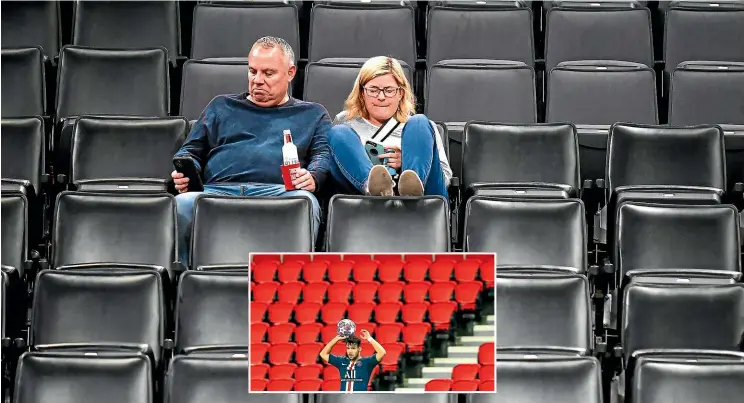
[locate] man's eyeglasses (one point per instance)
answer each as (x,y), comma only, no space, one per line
(375,92)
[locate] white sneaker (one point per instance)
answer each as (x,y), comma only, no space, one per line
(410,184)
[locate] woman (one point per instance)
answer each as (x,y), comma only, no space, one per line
(380,110)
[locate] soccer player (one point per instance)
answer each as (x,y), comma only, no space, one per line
(355,371)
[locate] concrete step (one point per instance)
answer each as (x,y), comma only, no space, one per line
(491,319)
(475,341)
(451,362)
(418,382)
(484,328)
(437,372)
(409,390)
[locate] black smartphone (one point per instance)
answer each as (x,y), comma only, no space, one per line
(187,167)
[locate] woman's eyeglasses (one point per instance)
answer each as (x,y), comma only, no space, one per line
(375,92)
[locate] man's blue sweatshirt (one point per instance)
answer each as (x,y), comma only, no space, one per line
(237,141)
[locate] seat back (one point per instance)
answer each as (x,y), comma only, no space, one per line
(227,229)
(31,24)
(388,225)
(23,82)
(14,230)
(219,379)
(707,93)
(23,150)
(203,80)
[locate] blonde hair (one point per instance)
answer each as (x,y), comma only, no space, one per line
(373,68)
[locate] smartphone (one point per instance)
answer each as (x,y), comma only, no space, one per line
(187,167)
(374,150)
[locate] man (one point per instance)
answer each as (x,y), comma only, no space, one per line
(355,371)
(237,141)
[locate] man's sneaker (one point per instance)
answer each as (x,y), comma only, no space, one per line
(379,182)
(410,184)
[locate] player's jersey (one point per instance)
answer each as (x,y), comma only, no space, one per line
(354,378)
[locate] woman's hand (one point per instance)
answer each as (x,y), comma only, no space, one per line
(394,156)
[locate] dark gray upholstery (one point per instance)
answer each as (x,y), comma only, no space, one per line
(598,33)
(707,93)
(106,150)
(23,82)
(127,25)
(216,379)
(381,225)
(204,80)
(356,31)
(23,150)
(563,379)
(14,231)
(31,24)
(469,32)
(212,310)
(528,233)
(76,378)
(229,30)
(543,311)
(100,309)
(690,34)
(114,228)
(227,229)
(329,81)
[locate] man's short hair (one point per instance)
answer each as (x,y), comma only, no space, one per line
(269,42)
(353,340)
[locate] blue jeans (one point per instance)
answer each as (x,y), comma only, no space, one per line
(419,154)
(185,206)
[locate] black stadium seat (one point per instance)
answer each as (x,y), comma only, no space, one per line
(14,232)
(125,154)
(329,81)
(204,80)
(127,25)
(31,24)
(23,82)
(228,30)
(75,378)
(388,225)
(227,229)
(194,379)
(211,312)
(23,154)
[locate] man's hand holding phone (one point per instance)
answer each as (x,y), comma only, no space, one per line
(182,183)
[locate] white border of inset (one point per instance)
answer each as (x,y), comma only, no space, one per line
(371,254)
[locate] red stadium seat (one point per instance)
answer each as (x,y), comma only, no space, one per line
(387,312)
(440,314)
(485,354)
(315,292)
(414,312)
(308,354)
(333,312)
(365,271)
(326,257)
(280,385)
(307,312)
(465,386)
(488,274)
(389,333)
(416,271)
(308,385)
(289,272)
(258,312)
(487,373)
(258,332)
(385,257)
(259,371)
(331,373)
(390,292)
(307,333)
(370,327)
(290,292)
(339,349)
(314,272)
(438,385)
(281,333)
(264,292)
(466,372)
(264,272)
(365,292)
(340,271)
(281,353)
(416,292)
(356,258)
(441,270)
(390,271)
(308,372)
(333,385)
(258,352)
(264,257)
(487,386)
(361,311)
(417,257)
(280,312)
(328,333)
(467,294)
(467,270)
(394,351)
(303,258)
(415,336)
(441,292)
(340,292)
(258,385)
(282,371)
